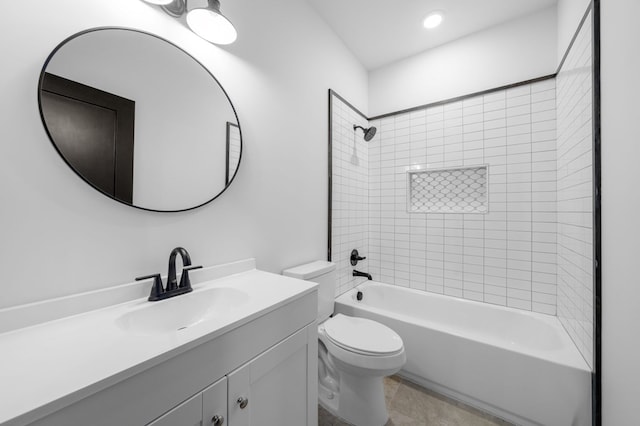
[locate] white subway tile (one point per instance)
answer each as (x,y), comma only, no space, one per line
(495,282)
(518,303)
(452,106)
(495,105)
(543,106)
(518,91)
(522,129)
(495,299)
(540,86)
(543,308)
(545,95)
(543,126)
(494,96)
(519,120)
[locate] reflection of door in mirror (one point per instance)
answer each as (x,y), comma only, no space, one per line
(94,131)
(233,151)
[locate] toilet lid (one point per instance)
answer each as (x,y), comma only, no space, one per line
(362,335)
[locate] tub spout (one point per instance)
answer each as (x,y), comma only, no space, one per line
(362,274)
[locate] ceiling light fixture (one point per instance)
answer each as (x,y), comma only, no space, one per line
(433,20)
(207,22)
(210,24)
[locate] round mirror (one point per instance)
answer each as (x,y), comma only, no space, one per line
(139,119)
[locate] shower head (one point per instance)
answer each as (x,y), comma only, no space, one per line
(368,133)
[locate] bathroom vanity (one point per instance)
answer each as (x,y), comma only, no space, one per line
(239,350)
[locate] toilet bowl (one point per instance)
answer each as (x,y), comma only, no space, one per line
(355,364)
(354,355)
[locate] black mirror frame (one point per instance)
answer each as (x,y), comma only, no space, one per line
(90,30)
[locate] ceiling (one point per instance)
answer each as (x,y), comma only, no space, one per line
(380,32)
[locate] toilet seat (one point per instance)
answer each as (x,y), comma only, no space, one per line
(346,359)
(362,336)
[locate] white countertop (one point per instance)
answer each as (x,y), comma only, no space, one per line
(48,366)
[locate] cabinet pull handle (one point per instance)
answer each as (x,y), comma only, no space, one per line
(242,402)
(217,420)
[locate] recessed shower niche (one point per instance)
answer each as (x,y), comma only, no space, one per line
(450,190)
(139,119)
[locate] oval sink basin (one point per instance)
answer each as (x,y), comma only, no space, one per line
(181,312)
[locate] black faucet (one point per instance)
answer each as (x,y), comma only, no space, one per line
(172,282)
(158,292)
(362,274)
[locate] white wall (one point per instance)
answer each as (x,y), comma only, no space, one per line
(620,207)
(570,12)
(59,236)
(509,53)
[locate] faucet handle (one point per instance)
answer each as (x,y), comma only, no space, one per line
(185,282)
(157,289)
(355,257)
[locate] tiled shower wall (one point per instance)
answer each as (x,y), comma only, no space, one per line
(506,256)
(575,188)
(350,192)
(538,231)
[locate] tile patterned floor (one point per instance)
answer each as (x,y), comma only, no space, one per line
(412,405)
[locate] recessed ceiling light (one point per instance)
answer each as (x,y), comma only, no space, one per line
(433,20)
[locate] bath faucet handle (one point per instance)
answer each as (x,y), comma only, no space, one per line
(355,257)
(157,289)
(184,279)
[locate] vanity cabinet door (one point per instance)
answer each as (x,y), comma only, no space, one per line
(276,387)
(189,413)
(214,404)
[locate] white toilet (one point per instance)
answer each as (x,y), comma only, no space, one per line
(354,354)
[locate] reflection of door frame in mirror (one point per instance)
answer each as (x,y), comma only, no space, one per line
(123,134)
(228,178)
(130,204)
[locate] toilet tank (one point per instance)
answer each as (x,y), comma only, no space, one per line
(323,273)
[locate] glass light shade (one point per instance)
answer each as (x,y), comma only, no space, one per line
(159,2)
(211,26)
(433,20)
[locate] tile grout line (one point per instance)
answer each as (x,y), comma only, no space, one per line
(531,192)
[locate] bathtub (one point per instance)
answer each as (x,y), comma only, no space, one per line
(517,365)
